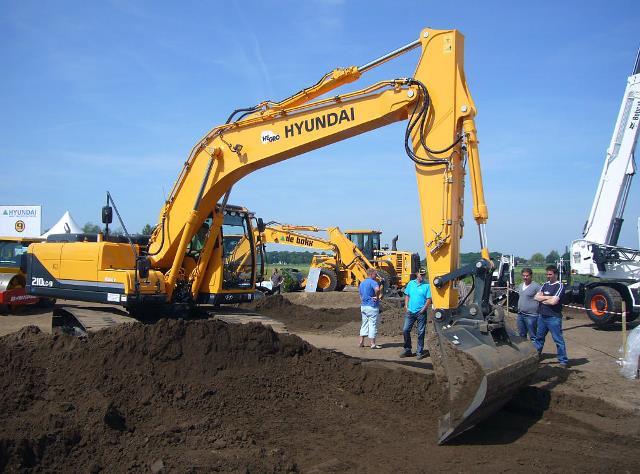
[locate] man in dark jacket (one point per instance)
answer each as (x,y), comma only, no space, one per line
(550,319)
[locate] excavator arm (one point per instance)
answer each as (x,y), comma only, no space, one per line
(440,132)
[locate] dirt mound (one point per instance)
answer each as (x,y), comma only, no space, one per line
(208,396)
(196,396)
(349,298)
(339,321)
(301,318)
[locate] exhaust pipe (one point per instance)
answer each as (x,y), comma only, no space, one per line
(393,243)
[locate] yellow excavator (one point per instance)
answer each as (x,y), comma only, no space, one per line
(478,360)
(351,254)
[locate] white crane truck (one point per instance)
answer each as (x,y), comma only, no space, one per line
(615,270)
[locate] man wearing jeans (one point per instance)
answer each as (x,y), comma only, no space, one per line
(527,305)
(417,297)
(369,308)
(550,319)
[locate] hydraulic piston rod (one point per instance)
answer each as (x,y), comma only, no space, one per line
(388,56)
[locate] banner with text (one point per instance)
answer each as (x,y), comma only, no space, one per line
(20,221)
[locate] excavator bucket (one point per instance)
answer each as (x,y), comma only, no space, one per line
(478,370)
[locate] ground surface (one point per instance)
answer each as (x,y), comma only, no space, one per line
(209,395)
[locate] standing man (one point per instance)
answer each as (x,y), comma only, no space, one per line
(417,298)
(527,305)
(369,308)
(276,282)
(550,318)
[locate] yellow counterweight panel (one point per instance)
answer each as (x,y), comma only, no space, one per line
(49,256)
(79,261)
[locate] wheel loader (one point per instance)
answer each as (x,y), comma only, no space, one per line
(478,360)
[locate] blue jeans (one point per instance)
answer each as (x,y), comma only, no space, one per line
(551,324)
(527,324)
(409,320)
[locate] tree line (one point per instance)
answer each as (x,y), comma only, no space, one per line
(91,228)
(536,259)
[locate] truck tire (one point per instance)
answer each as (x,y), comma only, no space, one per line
(327,281)
(600,302)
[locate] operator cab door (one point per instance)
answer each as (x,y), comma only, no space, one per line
(238,251)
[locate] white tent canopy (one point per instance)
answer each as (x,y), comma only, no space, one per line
(66,225)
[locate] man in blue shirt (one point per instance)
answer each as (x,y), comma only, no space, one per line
(369,308)
(550,315)
(417,297)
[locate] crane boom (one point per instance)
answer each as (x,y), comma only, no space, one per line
(605,219)
(598,254)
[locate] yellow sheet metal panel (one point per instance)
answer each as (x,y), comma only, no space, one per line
(117,256)
(153,284)
(79,261)
(48,254)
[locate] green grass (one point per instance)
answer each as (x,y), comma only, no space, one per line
(302,267)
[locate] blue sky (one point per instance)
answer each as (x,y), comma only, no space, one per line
(112,95)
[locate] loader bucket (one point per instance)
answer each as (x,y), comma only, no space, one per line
(478,371)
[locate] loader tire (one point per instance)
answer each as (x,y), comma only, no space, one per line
(385,280)
(327,281)
(600,302)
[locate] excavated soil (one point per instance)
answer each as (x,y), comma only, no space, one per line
(341,321)
(194,396)
(209,396)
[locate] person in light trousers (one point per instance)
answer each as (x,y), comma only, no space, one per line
(369,308)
